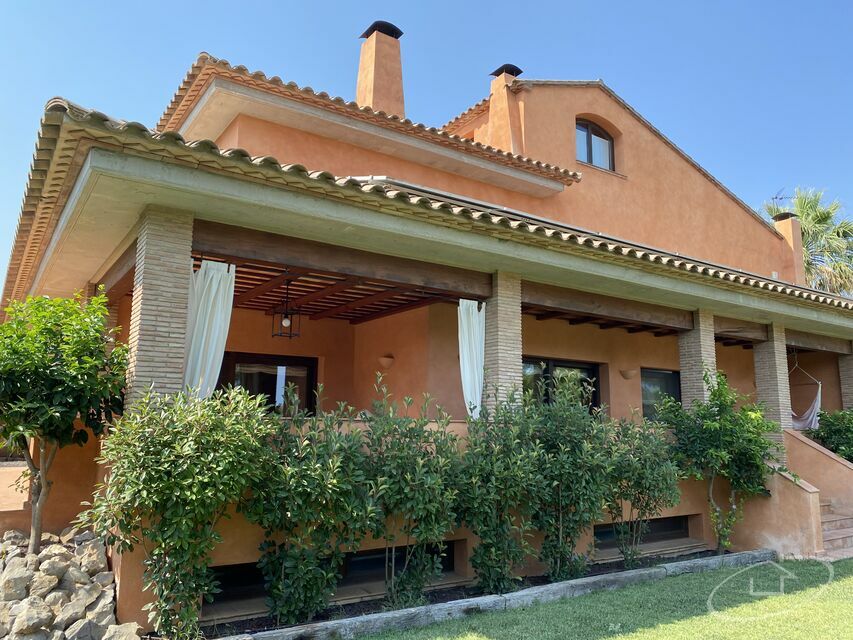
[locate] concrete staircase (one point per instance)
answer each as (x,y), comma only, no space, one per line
(837,532)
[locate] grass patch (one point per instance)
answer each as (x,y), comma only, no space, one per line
(744,607)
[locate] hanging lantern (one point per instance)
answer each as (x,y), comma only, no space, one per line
(286,321)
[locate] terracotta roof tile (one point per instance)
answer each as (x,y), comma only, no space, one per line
(66,127)
(206,67)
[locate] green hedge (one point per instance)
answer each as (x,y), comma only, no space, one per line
(835,432)
(319,484)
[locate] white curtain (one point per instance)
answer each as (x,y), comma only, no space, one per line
(809,418)
(211,298)
(472,346)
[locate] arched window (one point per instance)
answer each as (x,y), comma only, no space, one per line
(594,145)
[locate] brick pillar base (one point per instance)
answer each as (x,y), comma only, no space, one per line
(696,354)
(158,318)
(503,338)
(772,383)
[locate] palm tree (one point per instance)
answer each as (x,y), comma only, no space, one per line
(827,240)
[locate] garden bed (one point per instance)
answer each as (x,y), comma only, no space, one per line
(436,596)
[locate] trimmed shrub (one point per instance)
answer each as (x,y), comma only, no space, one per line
(835,432)
(575,467)
(643,482)
(499,487)
(176,464)
(314,502)
(719,439)
(413,467)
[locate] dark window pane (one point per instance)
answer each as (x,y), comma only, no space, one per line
(656,384)
(602,152)
(272,380)
(540,374)
(581,141)
(532,377)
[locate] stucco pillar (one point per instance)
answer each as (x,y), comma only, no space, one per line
(696,354)
(158,317)
(503,337)
(772,385)
(845,372)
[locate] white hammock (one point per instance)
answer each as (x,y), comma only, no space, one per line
(809,418)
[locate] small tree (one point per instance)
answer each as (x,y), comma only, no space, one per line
(61,376)
(719,439)
(314,502)
(177,462)
(575,467)
(413,463)
(644,482)
(499,488)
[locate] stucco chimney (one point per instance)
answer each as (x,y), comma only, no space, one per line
(788,225)
(380,71)
(505,130)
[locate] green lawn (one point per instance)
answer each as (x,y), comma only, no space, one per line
(678,608)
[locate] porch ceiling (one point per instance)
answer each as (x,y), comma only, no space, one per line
(318,294)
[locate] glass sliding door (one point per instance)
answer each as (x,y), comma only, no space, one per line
(270,375)
(537,370)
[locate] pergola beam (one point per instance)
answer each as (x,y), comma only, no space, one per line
(325,292)
(581,303)
(415,304)
(265,287)
(226,241)
(379,296)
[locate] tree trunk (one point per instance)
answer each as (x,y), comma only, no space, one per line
(39,491)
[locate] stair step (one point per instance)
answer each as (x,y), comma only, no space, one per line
(825,507)
(838,539)
(833,521)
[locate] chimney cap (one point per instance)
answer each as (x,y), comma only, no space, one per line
(383,27)
(784,215)
(508,68)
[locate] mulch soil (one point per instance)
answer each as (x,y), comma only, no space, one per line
(336,612)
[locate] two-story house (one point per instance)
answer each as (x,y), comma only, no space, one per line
(336,239)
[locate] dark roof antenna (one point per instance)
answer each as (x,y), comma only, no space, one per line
(511,69)
(383,27)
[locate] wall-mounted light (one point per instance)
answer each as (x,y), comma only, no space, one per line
(386,361)
(629,374)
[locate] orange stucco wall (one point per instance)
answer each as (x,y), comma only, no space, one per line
(821,468)
(657,197)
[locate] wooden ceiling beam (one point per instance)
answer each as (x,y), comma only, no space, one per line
(548,315)
(265,287)
(319,294)
(379,296)
(815,342)
(739,329)
(237,243)
(118,279)
(615,309)
(415,304)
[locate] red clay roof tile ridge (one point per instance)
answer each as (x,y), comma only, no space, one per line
(380,117)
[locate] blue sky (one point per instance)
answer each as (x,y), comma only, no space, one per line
(759,93)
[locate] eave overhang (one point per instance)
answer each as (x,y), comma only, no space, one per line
(102,174)
(224,100)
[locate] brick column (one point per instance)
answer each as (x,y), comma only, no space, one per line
(158,318)
(503,337)
(771,381)
(845,372)
(696,354)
